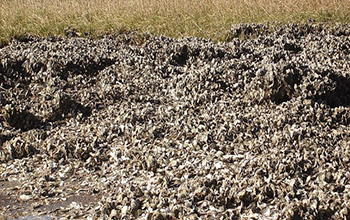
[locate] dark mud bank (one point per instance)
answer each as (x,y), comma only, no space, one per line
(258,126)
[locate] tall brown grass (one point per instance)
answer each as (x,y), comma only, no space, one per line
(176,18)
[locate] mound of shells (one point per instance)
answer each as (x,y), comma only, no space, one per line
(257,127)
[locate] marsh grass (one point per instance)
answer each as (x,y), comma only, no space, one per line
(174,18)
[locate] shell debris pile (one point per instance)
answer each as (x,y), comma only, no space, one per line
(253,128)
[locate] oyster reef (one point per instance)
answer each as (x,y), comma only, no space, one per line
(254,127)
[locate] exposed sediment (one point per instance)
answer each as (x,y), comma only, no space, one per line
(255,127)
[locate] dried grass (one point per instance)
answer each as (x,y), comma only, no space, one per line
(175,18)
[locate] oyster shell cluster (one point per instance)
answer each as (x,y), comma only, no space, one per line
(253,128)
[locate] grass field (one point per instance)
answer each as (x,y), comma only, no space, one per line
(176,18)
